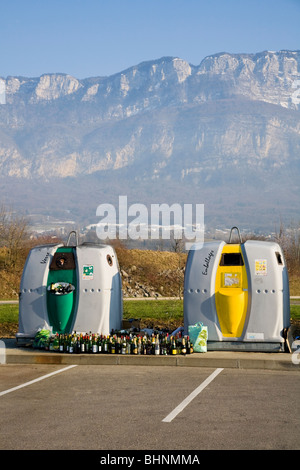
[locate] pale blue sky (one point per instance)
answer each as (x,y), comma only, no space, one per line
(87,38)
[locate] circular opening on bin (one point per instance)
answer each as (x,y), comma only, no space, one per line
(61,261)
(109,260)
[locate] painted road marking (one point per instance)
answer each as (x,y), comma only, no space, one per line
(36,380)
(191,396)
(2,353)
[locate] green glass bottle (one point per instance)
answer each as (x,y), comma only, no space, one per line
(139,346)
(82,343)
(183,347)
(105,345)
(61,343)
(123,345)
(134,346)
(87,343)
(55,343)
(113,346)
(164,350)
(71,344)
(188,345)
(157,346)
(118,345)
(128,344)
(168,344)
(50,344)
(78,346)
(144,345)
(100,339)
(173,347)
(90,343)
(153,344)
(94,345)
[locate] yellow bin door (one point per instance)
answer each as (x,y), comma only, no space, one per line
(231,291)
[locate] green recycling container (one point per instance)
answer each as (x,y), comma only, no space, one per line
(60,302)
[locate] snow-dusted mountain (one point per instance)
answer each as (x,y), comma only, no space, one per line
(225,133)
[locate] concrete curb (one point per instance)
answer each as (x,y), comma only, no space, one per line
(11,353)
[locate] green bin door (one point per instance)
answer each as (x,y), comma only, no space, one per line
(61,291)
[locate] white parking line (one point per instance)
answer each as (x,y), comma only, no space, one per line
(191,396)
(36,380)
(2,352)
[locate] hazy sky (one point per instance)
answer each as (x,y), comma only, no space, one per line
(87,38)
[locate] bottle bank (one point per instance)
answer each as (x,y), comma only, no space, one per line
(240,291)
(70,288)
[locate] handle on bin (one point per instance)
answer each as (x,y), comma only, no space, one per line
(238,234)
(76,236)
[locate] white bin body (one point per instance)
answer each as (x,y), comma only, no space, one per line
(268,308)
(99,308)
(97,291)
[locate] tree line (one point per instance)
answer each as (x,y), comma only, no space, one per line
(16,241)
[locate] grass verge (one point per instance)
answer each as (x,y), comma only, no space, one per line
(152,313)
(155,313)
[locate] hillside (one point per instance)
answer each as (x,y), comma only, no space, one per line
(148,273)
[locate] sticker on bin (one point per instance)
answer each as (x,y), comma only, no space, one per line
(261,267)
(88,272)
(257,336)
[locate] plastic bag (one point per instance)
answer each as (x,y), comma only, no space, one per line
(198,336)
(41,339)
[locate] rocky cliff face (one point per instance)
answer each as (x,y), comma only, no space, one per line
(233,117)
(267,76)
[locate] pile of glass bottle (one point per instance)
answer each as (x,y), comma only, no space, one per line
(120,343)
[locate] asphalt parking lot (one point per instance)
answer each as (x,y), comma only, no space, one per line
(100,407)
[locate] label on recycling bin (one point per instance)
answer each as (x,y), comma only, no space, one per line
(88,272)
(261,267)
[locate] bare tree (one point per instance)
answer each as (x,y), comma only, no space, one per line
(289,240)
(13,233)
(177,244)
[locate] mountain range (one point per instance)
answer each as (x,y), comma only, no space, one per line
(225,133)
